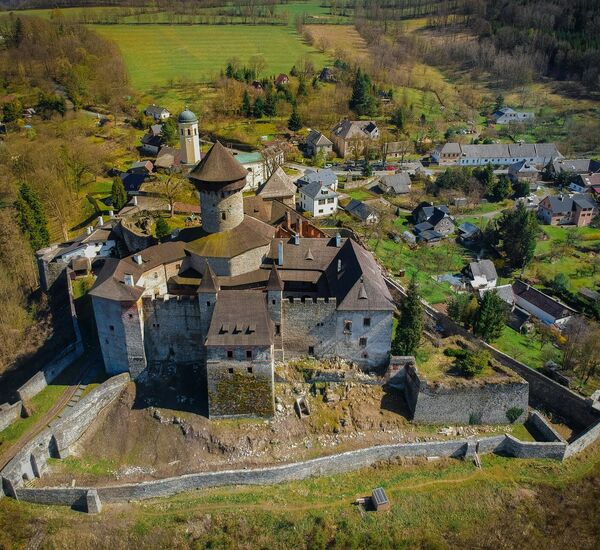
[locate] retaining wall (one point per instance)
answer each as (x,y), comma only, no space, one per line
(534,449)
(9,413)
(545,432)
(55,442)
(591,435)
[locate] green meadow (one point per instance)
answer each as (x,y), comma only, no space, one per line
(156,54)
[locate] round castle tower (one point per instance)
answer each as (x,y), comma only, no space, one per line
(219,179)
(189,140)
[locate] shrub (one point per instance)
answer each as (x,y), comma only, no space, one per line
(472,363)
(513,414)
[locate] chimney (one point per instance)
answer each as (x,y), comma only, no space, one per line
(89,230)
(111,213)
(296,239)
(280,254)
(137,258)
(339,266)
(299,224)
(338,240)
(128,279)
(288,219)
(100,221)
(135,200)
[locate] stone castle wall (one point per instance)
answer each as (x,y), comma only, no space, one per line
(214,205)
(484,403)
(10,413)
(240,386)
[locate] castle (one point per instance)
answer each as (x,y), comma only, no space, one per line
(233,296)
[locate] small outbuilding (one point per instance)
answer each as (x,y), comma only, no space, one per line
(380,500)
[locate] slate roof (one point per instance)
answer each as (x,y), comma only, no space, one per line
(359,209)
(577,166)
(484,268)
(430,235)
(317,139)
(325,176)
(398,183)
(279,185)
(522,167)
(505,292)
(349,128)
(562,204)
(315,188)
(468,230)
(240,318)
(155,110)
(542,301)
(501,150)
(167,157)
(132,181)
(588,180)
(218,166)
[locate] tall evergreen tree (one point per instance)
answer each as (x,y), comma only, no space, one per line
(490,318)
(397,120)
(271,104)
(162,228)
(518,230)
(362,101)
(32,218)
(118,194)
(301,88)
(168,132)
(259,107)
(294,122)
(246,106)
(410,324)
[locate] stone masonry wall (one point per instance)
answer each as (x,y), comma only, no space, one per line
(173,329)
(9,413)
(485,403)
(239,386)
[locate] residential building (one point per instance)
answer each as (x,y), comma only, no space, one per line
(575,166)
(584,183)
(349,136)
(426,217)
(260,165)
(279,187)
(362,211)
(506,115)
(317,143)
(395,184)
(282,79)
(468,233)
(575,209)
(325,176)
(499,154)
(543,307)
(523,171)
(481,275)
(318,199)
(157,113)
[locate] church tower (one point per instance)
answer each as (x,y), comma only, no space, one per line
(219,179)
(189,140)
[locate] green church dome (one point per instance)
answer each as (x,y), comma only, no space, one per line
(187,117)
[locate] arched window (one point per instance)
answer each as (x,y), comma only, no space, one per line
(189,132)
(223,215)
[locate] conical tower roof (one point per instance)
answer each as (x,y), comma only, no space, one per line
(274,282)
(218,170)
(209,281)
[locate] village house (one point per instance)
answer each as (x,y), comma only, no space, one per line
(481,275)
(395,184)
(317,143)
(499,154)
(325,176)
(141,167)
(426,216)
(541,306)
(566,210)
(260,165)
(349,134)
(506,115)
(574,166)
(318,199)
(468,233)
(168,158)
(152,140)
(585,183)
(523,171)
(361,211)
(282,79)
(158,113)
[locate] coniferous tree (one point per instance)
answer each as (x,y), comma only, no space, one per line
(302,88)
(271,105)
(118,194)
(367,170)
(259,107)
(491,317)
(294,122)
(517,230)
(168,132)
(397,120)
(410,324)
(246,107)
(362,101)
(32,218)
(162,228)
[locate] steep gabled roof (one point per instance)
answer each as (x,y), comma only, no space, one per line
(274,282)
(218,166)
(209,281)
(278,185)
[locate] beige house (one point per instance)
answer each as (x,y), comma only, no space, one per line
(348,136)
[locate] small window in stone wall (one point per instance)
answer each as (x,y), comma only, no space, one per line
(208,304)
(156,325)
(230,370)
(347,326)
(131,315)
(362,342)
(223,215)
(111,327)
(277,330)
(249,370)
(229,354)
(248,354)
(311,350)
(367,321)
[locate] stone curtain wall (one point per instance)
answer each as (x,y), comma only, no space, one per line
(330,465)
(485,403)
(55,442)
(542,430)
(9,413)
(584,440)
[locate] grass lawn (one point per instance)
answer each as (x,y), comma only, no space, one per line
(526,348)
(200,52)
(359,194)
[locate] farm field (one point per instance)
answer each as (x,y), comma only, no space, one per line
(155,54)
